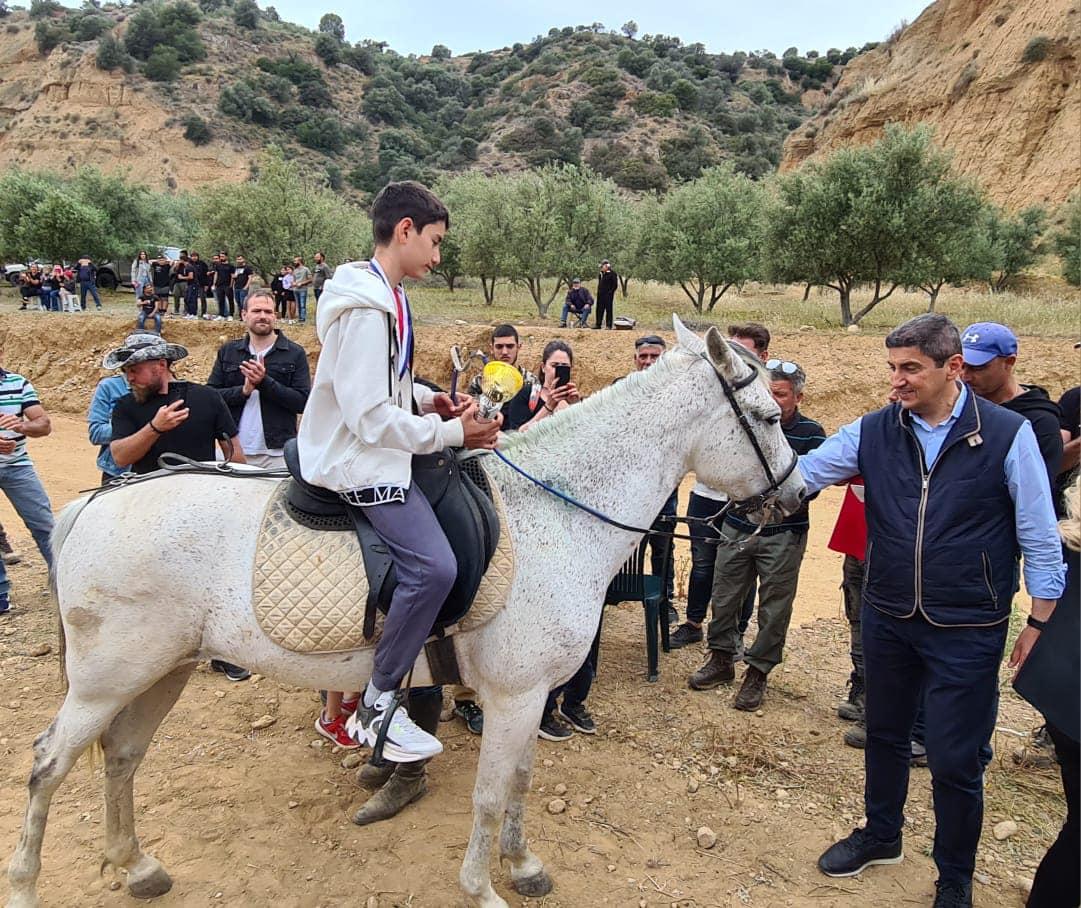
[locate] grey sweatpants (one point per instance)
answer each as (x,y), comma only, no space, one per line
(426,569)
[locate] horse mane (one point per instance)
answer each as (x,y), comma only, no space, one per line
(569,422)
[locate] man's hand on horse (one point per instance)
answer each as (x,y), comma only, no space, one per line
(478,433)
(254,372)
(169,417)
(447,408)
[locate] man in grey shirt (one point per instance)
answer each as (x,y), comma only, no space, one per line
(321,273)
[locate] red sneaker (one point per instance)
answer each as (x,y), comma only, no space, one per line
(334,730)
(349,707)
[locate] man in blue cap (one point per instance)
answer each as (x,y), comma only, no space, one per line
(990,356)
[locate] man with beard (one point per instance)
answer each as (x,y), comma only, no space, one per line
(264,380)
(162,415)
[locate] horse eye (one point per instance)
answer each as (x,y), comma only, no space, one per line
(773,420)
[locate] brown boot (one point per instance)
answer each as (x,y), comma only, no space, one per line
(375,777)
(408,783)
(717,670)
(752,691)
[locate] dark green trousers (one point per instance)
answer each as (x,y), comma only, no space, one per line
(775,560)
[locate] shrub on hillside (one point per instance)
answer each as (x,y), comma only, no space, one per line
(328,49)
(172,25)
(163,65)
(43,9)
(196,130)
(1036,50)
(246,14)
(48,35)
(110,55)
(542,140)
(89,27)
(655,104)
(359,58)
(322,133)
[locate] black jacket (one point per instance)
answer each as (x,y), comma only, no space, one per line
(607,283)
(1045,416)
(282,394)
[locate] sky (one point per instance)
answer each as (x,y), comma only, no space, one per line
(415,26)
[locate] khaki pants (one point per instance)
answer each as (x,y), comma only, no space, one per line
(775,560)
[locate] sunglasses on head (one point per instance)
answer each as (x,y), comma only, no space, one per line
(784,366)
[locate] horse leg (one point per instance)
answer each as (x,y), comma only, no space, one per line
(125,743)
(77,725)
(526,870)
(510,730)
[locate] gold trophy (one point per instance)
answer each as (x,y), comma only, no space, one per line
(499,382)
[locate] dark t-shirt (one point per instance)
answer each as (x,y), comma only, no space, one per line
(160,273)
(224,274)
(241,276)
(208,421)
(1070,406)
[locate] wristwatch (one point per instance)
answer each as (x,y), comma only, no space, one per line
(1036,623)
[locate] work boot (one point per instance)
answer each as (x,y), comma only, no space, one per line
(856,736)
(405,782)
(717,670)
(751,691)
(9,555)
(851,709)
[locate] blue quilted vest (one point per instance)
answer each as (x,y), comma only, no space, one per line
(941,541)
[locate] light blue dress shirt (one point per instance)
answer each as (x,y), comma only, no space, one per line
(1025,476)
(100,420)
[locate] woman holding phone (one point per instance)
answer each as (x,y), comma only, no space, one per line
(555,391)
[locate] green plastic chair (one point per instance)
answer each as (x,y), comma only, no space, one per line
(633,584)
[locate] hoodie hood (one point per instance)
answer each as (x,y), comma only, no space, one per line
(352,287)
(1032,401)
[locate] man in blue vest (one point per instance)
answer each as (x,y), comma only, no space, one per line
(955,491)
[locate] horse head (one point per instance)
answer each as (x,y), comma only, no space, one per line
(740,449)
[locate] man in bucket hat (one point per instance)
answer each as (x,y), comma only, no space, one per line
(164,416)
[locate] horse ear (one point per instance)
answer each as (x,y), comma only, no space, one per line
(721,354)
(685,337)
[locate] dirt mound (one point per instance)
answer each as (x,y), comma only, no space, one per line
(846,372)
(997,80)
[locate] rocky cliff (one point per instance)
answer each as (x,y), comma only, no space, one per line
(998,81)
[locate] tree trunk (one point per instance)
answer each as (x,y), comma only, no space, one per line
(623,281)
(807,291)
(487,285)
(450,278)
(533,283)
(697,296)
(714,295)
(551,299)
(845,292)
(877,298)
(932,294)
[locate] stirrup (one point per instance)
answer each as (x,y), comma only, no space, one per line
(377,759)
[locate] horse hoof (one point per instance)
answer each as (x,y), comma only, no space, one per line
(533,887)
(155,883)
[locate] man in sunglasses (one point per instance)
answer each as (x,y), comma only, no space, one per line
(773,554)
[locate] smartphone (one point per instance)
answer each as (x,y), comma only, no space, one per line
(563,374)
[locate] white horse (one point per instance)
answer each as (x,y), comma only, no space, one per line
(136,627)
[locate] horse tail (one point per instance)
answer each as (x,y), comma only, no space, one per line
(64,524)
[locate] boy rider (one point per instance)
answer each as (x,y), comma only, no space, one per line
(359,434)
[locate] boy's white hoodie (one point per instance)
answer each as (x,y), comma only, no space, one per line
(359,430)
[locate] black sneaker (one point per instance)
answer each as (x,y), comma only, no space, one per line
(858,852)
(471,714)
(673,615)
(552,728)
(232,672)
(953,895)
(579,718)
(685,635)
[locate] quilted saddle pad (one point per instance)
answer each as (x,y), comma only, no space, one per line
(309,587)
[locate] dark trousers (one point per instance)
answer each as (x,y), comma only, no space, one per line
(604,311)
(662,561)
(426,569)
(90,287)
(575,691)
(852,587)
(1058,879)
(224,297)
(191,300)
(956,669)
(703,561)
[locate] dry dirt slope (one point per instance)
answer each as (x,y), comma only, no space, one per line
(1012,125)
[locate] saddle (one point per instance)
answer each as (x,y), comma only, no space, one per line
(464,509)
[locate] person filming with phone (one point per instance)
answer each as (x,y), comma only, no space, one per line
(162,415)
(555,391)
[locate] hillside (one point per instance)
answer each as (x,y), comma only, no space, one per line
(195,92)
(997,79)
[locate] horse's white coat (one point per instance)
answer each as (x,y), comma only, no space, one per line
(155,577)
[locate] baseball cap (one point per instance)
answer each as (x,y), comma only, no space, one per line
(983,341)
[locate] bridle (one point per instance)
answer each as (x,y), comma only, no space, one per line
(765,501)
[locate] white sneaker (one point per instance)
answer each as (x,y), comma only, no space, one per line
(405,741)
